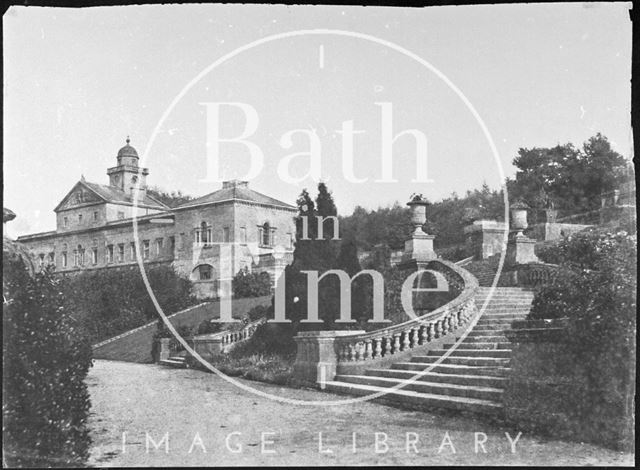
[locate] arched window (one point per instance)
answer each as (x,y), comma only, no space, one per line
(203,272)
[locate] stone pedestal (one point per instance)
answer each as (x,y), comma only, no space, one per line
(316,358)
(486,237)
(418,250)
(208,346)
(520,250)
(163,349)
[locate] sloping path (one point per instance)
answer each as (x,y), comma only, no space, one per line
(135,345)
(140,398)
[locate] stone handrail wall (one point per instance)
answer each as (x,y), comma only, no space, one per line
(536,274)
(228,338)
(322,354)
(214,344)
(415,332)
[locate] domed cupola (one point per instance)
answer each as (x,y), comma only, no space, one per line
(125,176)
(127,155)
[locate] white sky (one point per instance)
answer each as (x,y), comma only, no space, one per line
(78,81)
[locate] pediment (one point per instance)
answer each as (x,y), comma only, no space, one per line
(79,196)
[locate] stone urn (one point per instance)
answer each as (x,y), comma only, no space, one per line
(418,206)
(519,217)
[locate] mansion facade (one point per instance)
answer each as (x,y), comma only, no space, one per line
(208,239)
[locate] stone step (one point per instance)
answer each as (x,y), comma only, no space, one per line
(480,332)
(487,345)
(505,289)
(493,326)
(464,360)
(460,379)
(503,316)
(177,362)
(483,338)
(497,353)
(494,309)
(417,400)
(492,371)
(435,388)
(496,296)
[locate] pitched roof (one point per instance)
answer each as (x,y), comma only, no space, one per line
(236,192)
(115,196)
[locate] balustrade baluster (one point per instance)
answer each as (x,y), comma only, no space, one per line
(406,342)
(377,351)
(422,334)
(396,343)
(387,346)
(368,351)
(438,329)
(352,352)
(414,337)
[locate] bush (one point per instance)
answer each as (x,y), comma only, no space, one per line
(251,284)
(207,327)
(45,401)
(258,312)
(269,338)
(110,302)
(455,253)
(597,290)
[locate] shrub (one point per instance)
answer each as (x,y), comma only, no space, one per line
(110,302)
(251,284)
(596,290)
(269,338)
(207,327)
(455,253)
(258,312)
(45,401)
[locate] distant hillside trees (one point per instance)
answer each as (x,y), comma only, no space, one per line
(171,199)
(567,178)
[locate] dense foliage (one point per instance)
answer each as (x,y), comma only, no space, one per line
(251,284)
(446,220)
(108,302)
(597,291)
(171,199)
(45,401)
(567,178)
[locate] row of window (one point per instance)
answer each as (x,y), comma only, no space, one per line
(266,235)
(96,217)
(112,254)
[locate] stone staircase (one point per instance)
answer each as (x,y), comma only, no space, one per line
(177,362)
(472,376)
(485,272)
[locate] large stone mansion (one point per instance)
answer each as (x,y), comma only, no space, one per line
(207,239)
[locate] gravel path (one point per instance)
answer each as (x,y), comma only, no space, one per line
(204,412)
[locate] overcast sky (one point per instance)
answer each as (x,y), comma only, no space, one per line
(78,81)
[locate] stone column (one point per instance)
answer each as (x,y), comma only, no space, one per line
(316,358)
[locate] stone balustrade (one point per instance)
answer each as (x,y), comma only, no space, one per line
(536,274)
(322,354)
(214,344)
